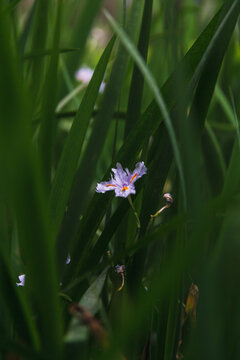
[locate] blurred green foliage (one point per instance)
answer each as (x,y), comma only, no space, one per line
(161,86)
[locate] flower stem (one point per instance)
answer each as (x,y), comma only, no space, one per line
(135,212)
(123,281)
(168,200)
(159,211)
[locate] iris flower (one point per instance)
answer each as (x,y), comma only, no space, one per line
(122,181)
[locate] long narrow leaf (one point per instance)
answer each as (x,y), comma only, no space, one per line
(87,168)
(156,92)
(24,191)
(136,87)
(47,129)
(71,152)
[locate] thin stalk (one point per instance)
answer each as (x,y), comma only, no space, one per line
(169,200)
(159,211)
(135,212)
(70,96)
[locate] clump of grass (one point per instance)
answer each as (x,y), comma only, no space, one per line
(107,278)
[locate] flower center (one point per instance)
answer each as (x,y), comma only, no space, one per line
(125,188)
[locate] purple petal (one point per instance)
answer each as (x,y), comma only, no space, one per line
(106,186)
(125,191)
(22,280)
(84,75)
(128,172)
(117,268)
(120,268)
(139,171)
(120,176)
(68,259)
